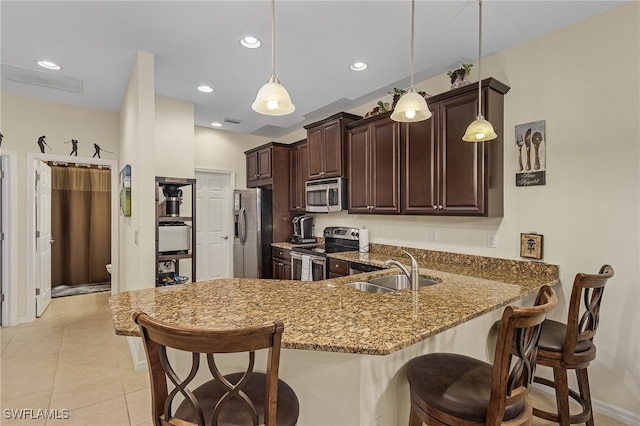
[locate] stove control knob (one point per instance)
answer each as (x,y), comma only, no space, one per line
(355,234)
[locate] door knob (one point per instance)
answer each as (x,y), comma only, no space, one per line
(51,241)
(226,237)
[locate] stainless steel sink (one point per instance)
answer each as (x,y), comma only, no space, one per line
(400,282)
(368,287)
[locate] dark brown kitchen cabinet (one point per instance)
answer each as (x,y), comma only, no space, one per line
(299,173)
(281,262)
(325,146)
(337,268)
(373,149)
(259,167)
(273,157)
(441,174)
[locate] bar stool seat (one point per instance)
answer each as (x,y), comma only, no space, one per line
(457,385)
(457,390)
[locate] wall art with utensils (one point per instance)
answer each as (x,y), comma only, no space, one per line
(531,144)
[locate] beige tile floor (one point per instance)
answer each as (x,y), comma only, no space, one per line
(70,359)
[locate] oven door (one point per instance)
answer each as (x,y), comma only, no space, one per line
(317,267)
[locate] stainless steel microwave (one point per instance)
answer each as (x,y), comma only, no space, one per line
(326,195)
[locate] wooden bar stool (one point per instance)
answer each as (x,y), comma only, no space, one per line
(239,398)
(452,389)
(570,347)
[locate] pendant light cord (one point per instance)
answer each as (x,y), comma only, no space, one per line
(273,38)
(480,59)
(413,12)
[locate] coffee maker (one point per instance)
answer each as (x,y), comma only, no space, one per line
(302,230)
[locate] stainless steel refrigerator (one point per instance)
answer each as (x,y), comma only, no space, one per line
(253,232)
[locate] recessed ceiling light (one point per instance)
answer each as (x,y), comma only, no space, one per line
(250,42)
(358,66)
(216,124)
(49,65)
(205,89)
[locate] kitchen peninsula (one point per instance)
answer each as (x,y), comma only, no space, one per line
(345,350)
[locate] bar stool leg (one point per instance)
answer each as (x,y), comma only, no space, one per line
(562,394)
(585,392)
(414,420)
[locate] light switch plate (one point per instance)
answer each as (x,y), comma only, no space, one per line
(492,240)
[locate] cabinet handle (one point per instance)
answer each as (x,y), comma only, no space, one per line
(435,207)
(439,206)
(257,176)
(226,237)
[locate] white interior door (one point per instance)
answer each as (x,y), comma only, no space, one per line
(43,237)
(214,236)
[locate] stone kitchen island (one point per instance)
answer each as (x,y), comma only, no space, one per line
(345,350)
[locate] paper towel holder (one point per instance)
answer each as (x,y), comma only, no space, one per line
(363,240)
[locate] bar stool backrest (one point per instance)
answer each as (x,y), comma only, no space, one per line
(515,355)
(159,336)
(582,327)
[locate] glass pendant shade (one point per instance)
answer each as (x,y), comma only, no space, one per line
(411,107)
(479,130)
(273,99)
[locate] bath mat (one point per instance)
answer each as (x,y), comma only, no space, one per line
(72,290)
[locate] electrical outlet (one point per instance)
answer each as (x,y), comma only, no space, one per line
(492,240)
(433,235)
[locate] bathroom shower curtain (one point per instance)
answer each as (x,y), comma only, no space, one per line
(80,225)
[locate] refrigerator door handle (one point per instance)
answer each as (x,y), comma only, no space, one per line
(243,225)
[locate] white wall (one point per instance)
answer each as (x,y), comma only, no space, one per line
(583,80)
(174,138)
(137,138)
(24,120)
(219,149)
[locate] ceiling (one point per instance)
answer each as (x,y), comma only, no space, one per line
(197,42)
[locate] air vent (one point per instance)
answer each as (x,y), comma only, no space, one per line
(40,78)
(232,120)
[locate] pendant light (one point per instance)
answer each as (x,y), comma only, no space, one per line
(411,106)
(479,130)
(273,98)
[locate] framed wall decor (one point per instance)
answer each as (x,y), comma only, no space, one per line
(531,157)
(125,190)
(531,246)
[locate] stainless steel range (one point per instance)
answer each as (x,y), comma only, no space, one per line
(309,263)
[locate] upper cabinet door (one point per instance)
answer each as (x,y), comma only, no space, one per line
(315,154)
(463,173)
(419,178)
(253,172)
(385,166)
(332,150)
(359,164)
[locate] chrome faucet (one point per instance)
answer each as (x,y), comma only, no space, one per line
(412,275)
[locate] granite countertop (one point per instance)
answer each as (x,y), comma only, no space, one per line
(328,316)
